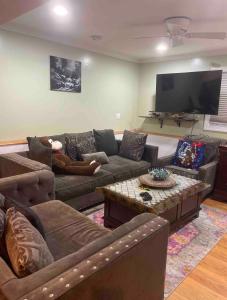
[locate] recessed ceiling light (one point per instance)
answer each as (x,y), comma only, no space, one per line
(60,10)
(162,47)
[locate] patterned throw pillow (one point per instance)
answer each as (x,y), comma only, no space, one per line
(71,149)
(132,145)
(27,250)
(189,154)
(84,143)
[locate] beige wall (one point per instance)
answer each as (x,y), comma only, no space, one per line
(28,107)
(146,99)
(109,86)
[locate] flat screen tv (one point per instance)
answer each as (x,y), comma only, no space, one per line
(191,92)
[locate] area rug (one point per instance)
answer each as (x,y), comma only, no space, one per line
(189,245)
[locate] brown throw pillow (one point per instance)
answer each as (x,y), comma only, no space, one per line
(100,157)
(132,145)
(27,250)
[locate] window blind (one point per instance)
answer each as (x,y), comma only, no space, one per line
(222,112)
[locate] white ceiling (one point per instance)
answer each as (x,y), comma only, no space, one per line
(120,20)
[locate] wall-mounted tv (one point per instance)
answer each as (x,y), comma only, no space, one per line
(191,92)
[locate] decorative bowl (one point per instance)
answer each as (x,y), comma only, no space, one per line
(159,174)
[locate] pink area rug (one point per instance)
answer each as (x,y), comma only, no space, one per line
(188,246)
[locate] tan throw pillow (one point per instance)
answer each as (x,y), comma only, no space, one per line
(27,250)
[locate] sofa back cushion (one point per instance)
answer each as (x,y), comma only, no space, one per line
(132,145)
(2,223)
(39,152)
(27,250)
(105,141)
(84,142)
(32,217)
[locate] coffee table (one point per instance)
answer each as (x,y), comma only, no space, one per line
(178,205)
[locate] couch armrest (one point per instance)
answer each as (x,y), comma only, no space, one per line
(207,173)
(151,154)
(15,164)
(165,160)
(131,259)
(29,188)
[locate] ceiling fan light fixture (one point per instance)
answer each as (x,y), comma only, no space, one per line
(162,47)
(60,10)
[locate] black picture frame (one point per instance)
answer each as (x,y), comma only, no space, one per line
(65,75)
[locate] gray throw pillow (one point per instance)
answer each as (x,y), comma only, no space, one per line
(39,152)
(100,157)
(105,141)
(132,145)
(84,142)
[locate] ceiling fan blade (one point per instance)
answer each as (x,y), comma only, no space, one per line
(177,42)
(150,37)
(206,35)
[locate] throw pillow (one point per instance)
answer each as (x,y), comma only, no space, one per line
(32,217)
(100,157)
(27,250)
(212,144)
(132,145)
(39,152)
(71,149)
(189,154)
(84,142)
(105,141)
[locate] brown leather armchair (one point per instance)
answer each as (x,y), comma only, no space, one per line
(94,263)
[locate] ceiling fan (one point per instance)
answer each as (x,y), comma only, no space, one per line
(177,31)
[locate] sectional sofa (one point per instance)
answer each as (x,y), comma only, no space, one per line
(79,191)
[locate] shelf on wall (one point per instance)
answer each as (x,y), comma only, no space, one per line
(177,120)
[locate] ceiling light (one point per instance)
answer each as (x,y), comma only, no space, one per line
(60,10)
(162,47)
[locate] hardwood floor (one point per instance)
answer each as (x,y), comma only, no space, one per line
(208,281)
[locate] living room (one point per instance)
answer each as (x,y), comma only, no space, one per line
(112,149)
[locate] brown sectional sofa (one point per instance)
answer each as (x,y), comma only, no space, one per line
(78,191)
(91,262)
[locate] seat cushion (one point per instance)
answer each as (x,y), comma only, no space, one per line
(194,174)
(124,168)
(66,229)
(70,186)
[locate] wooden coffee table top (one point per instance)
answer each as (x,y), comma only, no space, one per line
(162,199)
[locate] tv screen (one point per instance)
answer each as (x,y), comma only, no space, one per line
(192,92)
